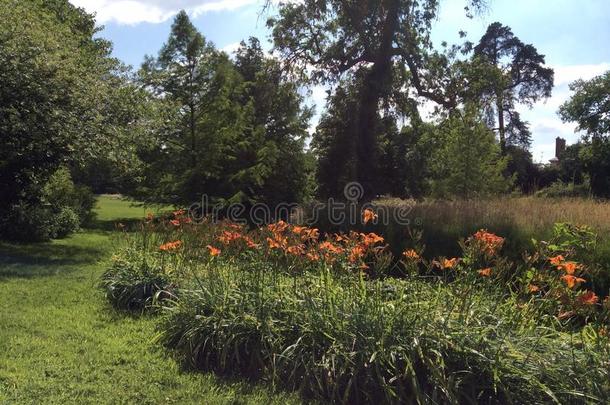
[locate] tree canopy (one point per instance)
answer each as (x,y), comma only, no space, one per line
(63,98)
(589,107)
(513,73)
(385,43)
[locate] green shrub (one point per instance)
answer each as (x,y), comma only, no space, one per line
(560,189)
(134,279)
(27,223)
(64,222)
(61,209)
(61,192)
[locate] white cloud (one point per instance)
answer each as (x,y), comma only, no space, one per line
(231,48)
(545,124)
(132,12)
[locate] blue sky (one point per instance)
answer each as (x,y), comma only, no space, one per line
(574,36)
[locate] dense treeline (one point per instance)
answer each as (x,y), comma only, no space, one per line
(194,120)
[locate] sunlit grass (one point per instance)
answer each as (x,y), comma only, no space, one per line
(61,343)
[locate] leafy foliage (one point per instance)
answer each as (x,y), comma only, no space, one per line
(590,105)
(271,303)
(469,162)
(375,43)
(230,127)
(59,101)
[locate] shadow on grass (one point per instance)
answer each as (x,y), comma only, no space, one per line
(45,259)
(109,225)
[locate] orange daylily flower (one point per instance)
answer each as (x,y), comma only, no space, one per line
(171,245)
(314,257)
(490,242)
(371,239)
(368,215)
(175,222)
(250,243)
(339,238)
(278,227)
(569,267)
(572,281)
(213,251)
(449,263)
(179,213)
(310,234)
(277,243)
(297,230)
(226,237)
(411,255)
(356,254)
(557,260)
(330,248)
(485,272)
(588,298)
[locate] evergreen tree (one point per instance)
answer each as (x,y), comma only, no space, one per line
(512,73)
(468,162)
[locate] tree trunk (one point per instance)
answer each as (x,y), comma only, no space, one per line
(501,129)
(192,117)
(374,88)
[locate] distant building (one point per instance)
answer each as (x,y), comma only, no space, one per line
(560,147)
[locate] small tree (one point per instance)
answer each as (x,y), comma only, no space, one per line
(468,162)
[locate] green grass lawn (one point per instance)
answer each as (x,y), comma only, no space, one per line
(60,342)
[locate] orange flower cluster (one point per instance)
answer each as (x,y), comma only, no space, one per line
(446,264)
(489,242)
(572,281)
(301,242)
(227,237)
(235,236)
(171,246)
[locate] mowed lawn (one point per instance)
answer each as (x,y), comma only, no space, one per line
(61,343)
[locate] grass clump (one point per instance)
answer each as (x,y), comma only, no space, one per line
(347,340)
(134,278)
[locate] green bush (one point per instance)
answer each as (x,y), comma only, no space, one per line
(27,223)
(134,279)
(64,221)
(560,189)
(61,192)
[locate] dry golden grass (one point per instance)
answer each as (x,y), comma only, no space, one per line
(530,214)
